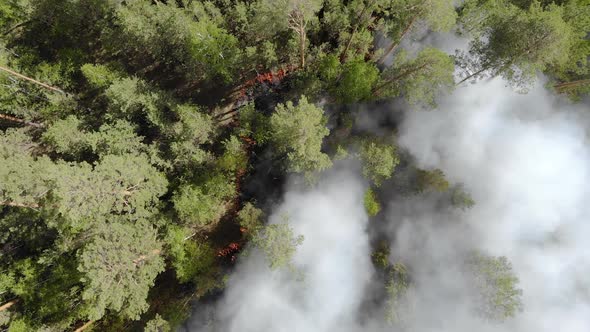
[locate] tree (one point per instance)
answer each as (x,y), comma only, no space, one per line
(201,206)
(157,324)
(65,136)
(380,256)
(193,259)
(297,132)
(573,76)
(498,297)
(356,17)
(250,218)
(278,15)
(278,243)
(432,180)
(379,160)
(235,156)
(356,81)
(171,42)
(188,134)
(119,266)
(372,206)
(515,44)
(396,287)
(404,15)
(461,199)
(24,178)
(419,80)
(123,185)
(13,15)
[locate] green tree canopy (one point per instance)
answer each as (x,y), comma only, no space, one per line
(203,205)
(405,15)
(297,132)
(499,297)
(515,43)
(279,243)
(379,160)
(420,80)
(123,185)
(119,267)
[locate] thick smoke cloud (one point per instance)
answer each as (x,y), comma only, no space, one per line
(334,260)
(526,161)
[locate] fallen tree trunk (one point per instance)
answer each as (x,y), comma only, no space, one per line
(18,120)
(8,304)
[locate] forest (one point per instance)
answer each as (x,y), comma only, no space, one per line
(145,143)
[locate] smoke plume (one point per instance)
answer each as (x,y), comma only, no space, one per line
(524,159)
(334,261)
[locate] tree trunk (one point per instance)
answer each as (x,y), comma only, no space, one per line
(302,44)
(394,45)
(15,119)
(8,305)
(46,86)
(570,85)
(395,78)
(471,75)
(17,26)
(13,204)
(85,326)
(144,257)
(354,30)
(536,44)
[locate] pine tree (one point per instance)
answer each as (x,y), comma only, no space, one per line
(119,267)
(297,132)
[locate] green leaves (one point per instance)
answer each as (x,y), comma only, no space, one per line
(120,265)
(432,180)
(298,132)
(396,286)
(24,179)
(279,243)
(379,160)
(203,205)
(372,206)
(356,81)
(250,218)
(123,185)
(174,40)
(420,80)
(157,324)
(499,297)
(515,43)
(193,258)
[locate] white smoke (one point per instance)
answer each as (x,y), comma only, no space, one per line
(334,260)
(526,161)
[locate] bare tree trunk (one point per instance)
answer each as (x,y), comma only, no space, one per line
(85,326)
(394,45)
(15,119)
(302,45)
(46,86)
(8,305)
(377,89)
(570,85)
(471,75)
(21,24)
(13,204)
(354,30)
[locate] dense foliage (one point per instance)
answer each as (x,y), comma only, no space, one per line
(134,135)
